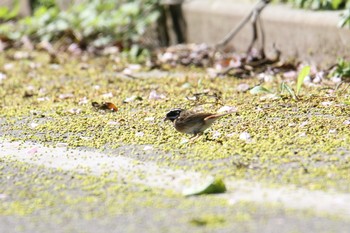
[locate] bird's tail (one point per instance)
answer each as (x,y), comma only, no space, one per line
(216,116)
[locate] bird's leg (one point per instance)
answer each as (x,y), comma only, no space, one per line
(195,137)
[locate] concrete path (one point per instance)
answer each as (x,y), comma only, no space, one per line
(149,174)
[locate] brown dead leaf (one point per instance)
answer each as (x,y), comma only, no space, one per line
(105,106)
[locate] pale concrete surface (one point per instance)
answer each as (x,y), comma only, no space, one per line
(311,36)
(151,175)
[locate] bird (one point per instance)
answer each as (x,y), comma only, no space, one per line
(190,122)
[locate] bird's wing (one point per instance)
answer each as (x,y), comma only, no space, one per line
(191,123)
(198,117)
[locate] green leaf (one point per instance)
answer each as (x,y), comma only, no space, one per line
(259,90)
(284,86)
(302,74)
(336,4)
(3,12)
(211,186)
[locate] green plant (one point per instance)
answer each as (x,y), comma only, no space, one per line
(342,69)
(95,23)
(42,3)
(284,87)
(305,71)
(345,18)
(324,5)
(7,13)
(318,4)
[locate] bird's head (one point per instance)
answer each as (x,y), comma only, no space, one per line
(173,114)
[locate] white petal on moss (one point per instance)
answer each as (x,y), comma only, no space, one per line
(107,95)
(153,95)
(33,125)
(55,66)
(269,97)
(336,79)
(135,67)
(216,134)
(333,131)
(184,141)
(2,77)
(230,135)
(139,134)
(226,109)
(9,66)
(327,103)
(148,147)
(130,99)
(112,123)
(243,87)
(346,122)
(66,96)
(42,99)
(245,136)
(62,144)
(33,150)
(149,119)
(303,124)
(83,101)
(74,110)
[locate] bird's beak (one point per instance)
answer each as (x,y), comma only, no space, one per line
(165,119)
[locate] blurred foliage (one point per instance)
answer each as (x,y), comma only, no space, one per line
(95,23)
(342,69)
(7,13)
(324,5)
(345,18)
(319,4)
(45,3)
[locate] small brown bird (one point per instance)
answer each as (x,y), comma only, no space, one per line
(192,122)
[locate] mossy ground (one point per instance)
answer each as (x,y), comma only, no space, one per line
(303,142)
(38,199)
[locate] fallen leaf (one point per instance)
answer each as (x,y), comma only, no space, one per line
(259,90)
(212,185)
(105,106)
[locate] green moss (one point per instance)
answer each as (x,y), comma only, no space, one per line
(302,143)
